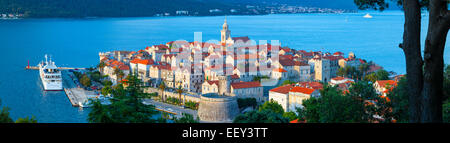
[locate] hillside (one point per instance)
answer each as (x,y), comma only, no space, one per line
(114,8)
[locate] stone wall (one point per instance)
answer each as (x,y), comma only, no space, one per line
(214,108)
(189,96)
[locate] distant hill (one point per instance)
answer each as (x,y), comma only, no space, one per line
(141,8)
(113,8)
(335,4)
(338,4)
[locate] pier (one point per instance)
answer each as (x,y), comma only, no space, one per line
(78,97)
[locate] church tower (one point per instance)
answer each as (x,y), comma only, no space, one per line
(225,32)
(224,84)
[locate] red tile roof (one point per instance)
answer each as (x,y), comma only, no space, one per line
(282,89)
(239,85)
(211,82)
(314,85)
(279,70)
(302,90)
(340,78)
(234,76)
(384,83)
(333,58)
(287,62)
(298,63)
(144,62)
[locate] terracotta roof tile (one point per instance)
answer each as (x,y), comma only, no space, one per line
(240,85)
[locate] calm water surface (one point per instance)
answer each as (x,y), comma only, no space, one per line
(76,43)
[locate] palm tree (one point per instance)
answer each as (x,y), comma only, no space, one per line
(162,86)
(119,73)
(364,68)
(179,91)
(101,65)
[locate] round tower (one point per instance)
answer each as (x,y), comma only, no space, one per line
(215,108)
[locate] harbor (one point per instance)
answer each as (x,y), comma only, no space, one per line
(78,97)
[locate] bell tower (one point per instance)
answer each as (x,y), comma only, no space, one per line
(225,32)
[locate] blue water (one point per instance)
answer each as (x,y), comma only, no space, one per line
(76,43)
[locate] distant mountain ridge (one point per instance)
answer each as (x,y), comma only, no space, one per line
(337,4)
(143,8)
(112,8)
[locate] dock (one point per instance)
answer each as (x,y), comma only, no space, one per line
(77,96)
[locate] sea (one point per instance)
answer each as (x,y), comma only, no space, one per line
(77,42)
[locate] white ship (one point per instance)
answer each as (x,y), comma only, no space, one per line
(50,75)
(367,16)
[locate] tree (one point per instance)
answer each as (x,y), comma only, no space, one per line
(4,115)
(96,76)
(119,73)
(106,90)
(179,91)
(290,115)
(246,102)
(286,82)
(446,112)
(162,86)
(5,118)
(364,68)
(359,105)
(399,101)
(272,106)
(100,66)
(382,75)
(186,118)
(264,116)
(27,120)
(126,106)
(85,80)
(424,74)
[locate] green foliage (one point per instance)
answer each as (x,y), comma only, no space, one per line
(382,75)
(4,115)
(290,115)
(272,106)
(264,116)
(191,105)
(247,102)
(106,90)
(379,75)
(375,4)
(96,76)
(172,100)
(126,106)
(399,101)
(446,112)
(359,105)
(286,82)
(350,72)
(27,120)
(5,118)
(85,80)
(258,78)
(107,83)
(446,83)
(187,118)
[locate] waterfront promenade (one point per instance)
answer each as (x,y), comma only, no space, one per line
(78,97)
(171,108)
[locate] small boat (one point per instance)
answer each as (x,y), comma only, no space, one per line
(368,16)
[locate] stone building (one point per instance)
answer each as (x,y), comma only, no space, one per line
(215,108)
